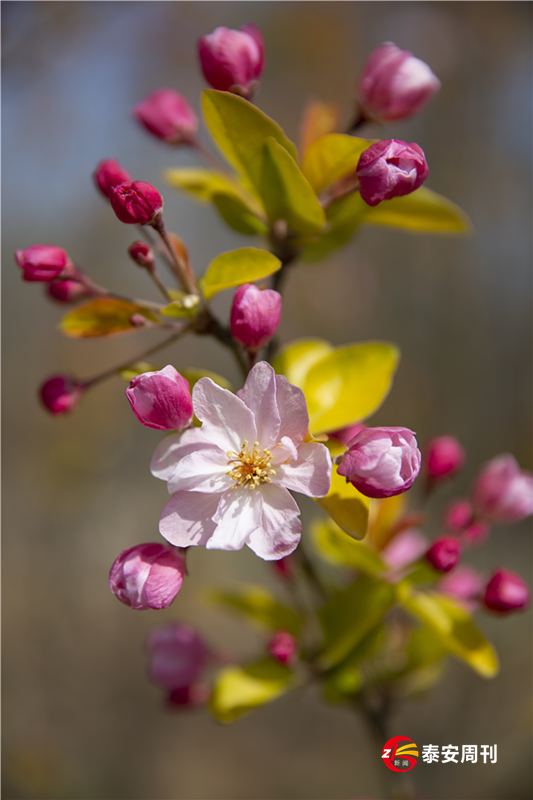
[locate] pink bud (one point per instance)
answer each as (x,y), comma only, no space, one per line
(458,514)
(167,115)
(283,647)
(147,576)
(443,456)
(345,435)
(67,291)
(136,203)
(232,60)
(188,696)
(475,534)
(506,591)
(177,656)
(406,547)
(464,583)
(108,174)
(255,315)
(395,84)
(381,462)
(142,254)
(161,400)
(502,492)
(391,168)
(61,394)
(444,554)
(43,262)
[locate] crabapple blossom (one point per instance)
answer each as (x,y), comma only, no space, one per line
(177,656)
(43,262)
(407,546)
(458,514)
(506,591)
(147,576)
(255,316)
(381,462)
(161,400)
(443,456)
(68,291)
(142,254)
(395,84)
(61,394)
(391,168)
(167,115)
(108,174)
(502,491)
(283,647)
(444,554)
(464,583)
(345,435)
(230,478)
(231,60)
(136,203)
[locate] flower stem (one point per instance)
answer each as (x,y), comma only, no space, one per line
(181,270)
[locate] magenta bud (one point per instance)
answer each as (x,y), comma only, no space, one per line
(61,394)
(443,457)
(136,203)
(283,647)
(161,400)
(167,115)
(345,435)
(147,576)
(188,696)
(464,583)
(391,168)
(142,254)
(444,554)
(506,591)
(255,315)
(475,534)
(43,262)
(395,84)
(232,60)
(381,462)
(68,291)
(458,514)
(108,174)
(502,491)
(177,656)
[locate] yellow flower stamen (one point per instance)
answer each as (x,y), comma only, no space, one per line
(250,468)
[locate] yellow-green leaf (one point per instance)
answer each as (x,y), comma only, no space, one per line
(318,119)
(343,216)
(346,506)
(182,305)
(342,550)
(237,215)
(258,606)
(193,375)
(239,690)
(296,359)
(202,184)
(245,265)
(286,193)
(332,157)
(423,210)
(130,372)
(454,626)
(103,317)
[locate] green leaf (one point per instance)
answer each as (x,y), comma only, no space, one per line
(349,384)
(183,304)
(238,690)
(422,210)
(201,184)
(240,129)
(133,370)
(237,215)
(349,615)
(245,265)
(332,157)
(454,627)
(287,194)
(340,549)
(343,216)
(346,506)
(103,317)
(193,375)
(259,606)
(296,359)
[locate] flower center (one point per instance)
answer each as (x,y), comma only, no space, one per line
(250,467)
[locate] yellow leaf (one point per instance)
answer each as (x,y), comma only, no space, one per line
(346,506)
(236,267)
(332,157)
(423,210)
(103,317)
(296,359)
(239,690)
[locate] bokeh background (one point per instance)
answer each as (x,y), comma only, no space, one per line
(81,721)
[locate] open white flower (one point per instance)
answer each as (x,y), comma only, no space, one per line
(230,477)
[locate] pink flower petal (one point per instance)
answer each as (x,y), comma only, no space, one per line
(167,452)
(284,451)
(239,513)
(292,409)
(203,470)
(259,394)
(281,528)
(186,518)
(310,475)
(227,421)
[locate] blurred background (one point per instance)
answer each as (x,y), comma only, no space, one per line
(81,720)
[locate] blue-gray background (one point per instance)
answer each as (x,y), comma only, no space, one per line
(80,718)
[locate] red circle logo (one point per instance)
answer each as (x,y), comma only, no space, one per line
(400,754)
